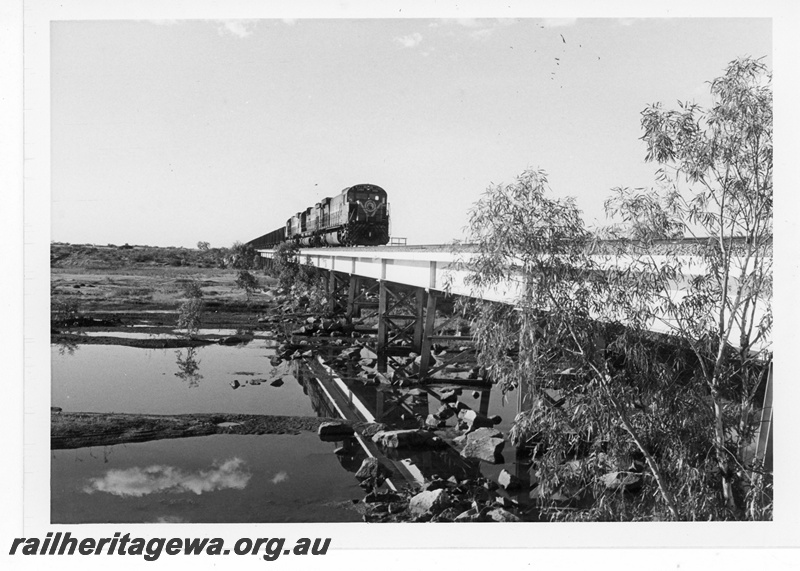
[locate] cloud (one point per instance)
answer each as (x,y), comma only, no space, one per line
(238,28)
(280,477)
(558,22)
(410,41)
(140,482)
(482,34)
(479,28)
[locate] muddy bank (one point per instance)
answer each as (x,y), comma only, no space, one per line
(80,429)
(68,339)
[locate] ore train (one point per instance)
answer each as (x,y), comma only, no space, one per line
(357,216)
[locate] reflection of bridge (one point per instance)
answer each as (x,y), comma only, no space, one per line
(334,395)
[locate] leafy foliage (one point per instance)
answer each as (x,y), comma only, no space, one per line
(190,312)
(604,396)
(248,282)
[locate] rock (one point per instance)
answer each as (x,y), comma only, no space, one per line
(623,481)
(449,395)
(499,514)
(277,383)
(372,429)
(484,443)
(508,480)
(468,515)
(476,394)
(334,430)
(372,473)
(474,420)
(447,514)
(433,422)
(429,502)
(56,409)
(505,502)
(385,497)
(445,412)
(235,384)
(353,353)
(413,438)
(435,484)
(255,381)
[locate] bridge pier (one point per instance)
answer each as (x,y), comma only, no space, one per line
(405,320)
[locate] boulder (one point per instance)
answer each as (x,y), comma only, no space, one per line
(623,481)
(353,353)
(277,383)
(499,514)
(508,480)
(445,412)
(449,395)
(474,420)
(429,502)
(413,438)
(372,473)
(485,444)
(334,430)
(470,515)
(433,422)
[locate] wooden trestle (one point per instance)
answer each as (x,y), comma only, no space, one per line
(405,319)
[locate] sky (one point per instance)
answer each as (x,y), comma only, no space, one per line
(170,132)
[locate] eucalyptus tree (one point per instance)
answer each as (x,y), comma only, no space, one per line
(715,180)
(609,405)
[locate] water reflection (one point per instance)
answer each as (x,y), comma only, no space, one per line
(188,366)
(280,477)
(138,482)
(67,346)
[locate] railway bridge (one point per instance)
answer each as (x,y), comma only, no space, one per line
(398,294)
(403,288)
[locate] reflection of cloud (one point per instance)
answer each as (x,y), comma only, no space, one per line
(410,41)
(280,477)
(480,28)
(238,28)
(170,519)
(142,481)
(558,22)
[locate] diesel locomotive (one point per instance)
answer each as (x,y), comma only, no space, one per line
(357,216)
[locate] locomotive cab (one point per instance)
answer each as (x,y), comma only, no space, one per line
(367,203)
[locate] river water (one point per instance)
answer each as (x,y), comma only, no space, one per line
(222,478)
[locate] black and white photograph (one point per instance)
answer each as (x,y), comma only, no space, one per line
(327,284)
